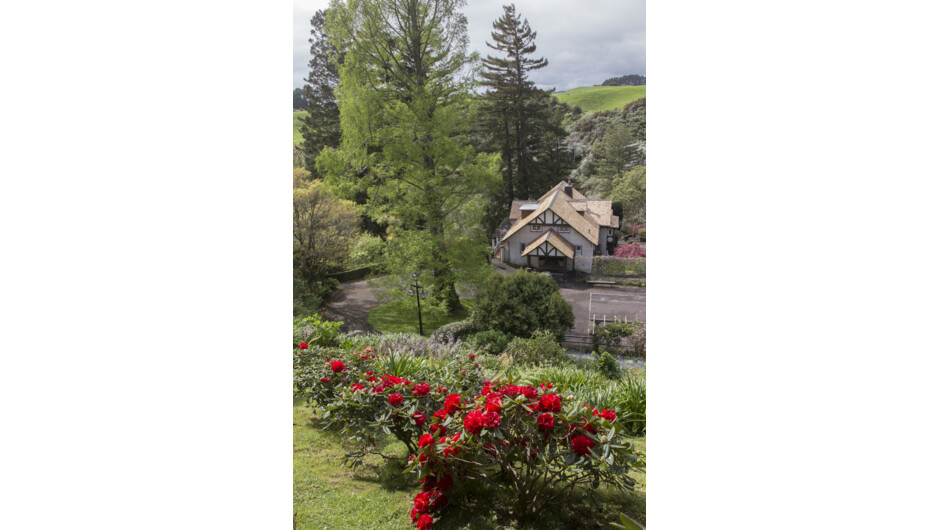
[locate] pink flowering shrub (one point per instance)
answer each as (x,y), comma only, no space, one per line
(631,250)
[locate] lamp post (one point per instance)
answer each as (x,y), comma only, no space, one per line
(419,294)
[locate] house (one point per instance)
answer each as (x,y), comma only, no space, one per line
(552,232)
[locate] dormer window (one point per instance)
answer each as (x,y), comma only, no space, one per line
(536,228)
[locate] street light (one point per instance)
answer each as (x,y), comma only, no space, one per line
(419,294)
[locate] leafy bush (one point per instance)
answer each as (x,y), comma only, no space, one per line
(542,348)
(612,334)
(607,365)
(631,250)
(491,341)
(314,331)
(521,303)
(449,333)
(366,250)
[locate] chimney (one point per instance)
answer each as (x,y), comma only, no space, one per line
(568,189)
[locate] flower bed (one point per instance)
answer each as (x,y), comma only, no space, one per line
(529,442)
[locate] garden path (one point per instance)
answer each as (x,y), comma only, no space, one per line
(351,303)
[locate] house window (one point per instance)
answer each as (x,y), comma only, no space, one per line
(610,231)
(563,230)
(521,249)
(577,250)
(536,228)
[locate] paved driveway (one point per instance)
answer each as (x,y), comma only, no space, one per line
(351,303)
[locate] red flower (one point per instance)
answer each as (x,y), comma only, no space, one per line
(425,522)
(493,403)
(419,418)
(545,385)
(491,420)
(441,428)
(302,345)
(378,389)
(530,392)
(324,379)
(356,386)
(421,389)
(473,422)
(426,440)
(395,399)
(452,403)
(550,403)
(582,445)
(440,414)
(472,356)
(414,514)
(337,366)
(546,421)
(368,350)
(588,427)
(368,373)
(609,415)
(422,501)
(441,390)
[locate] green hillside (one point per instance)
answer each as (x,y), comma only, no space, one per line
(595,98)
(297,116)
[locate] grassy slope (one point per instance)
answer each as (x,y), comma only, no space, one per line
(597,98)
(297,115)
(401,316)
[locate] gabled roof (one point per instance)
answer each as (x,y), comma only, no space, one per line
(556,200)
(554,240)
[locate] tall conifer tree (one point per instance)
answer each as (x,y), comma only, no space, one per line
(321,128)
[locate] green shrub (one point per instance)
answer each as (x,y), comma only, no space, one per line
(449,333)
(366,250)
(521,303)
(607,365)
(315,331)
(618,334)
(309,297)
(491,341)
(542,348)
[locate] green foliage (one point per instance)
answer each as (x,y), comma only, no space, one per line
(490,341)
(453,332)
(324,230)
(629,189)
(614,266)
(316,331)
(405,113)
(612,335)
(521,303)
(626,80)
(319,126)
(299,116)
(606,364)
(366,250)
(541,348)
(600,98)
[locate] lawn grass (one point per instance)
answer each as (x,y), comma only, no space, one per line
(378,496)
(402,316)
(297,115)
(597,98)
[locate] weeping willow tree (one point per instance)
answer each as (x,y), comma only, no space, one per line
(405,111)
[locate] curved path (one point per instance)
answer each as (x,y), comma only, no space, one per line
(351,303)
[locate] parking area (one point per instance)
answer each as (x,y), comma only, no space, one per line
(627,303)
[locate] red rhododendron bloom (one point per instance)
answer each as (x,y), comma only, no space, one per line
(546,421)
(419,418)
(493,403)
(368,373)
(588,427)
(472,356)
(473,422)
(378,389)
(421,389)
(302,345)
(530,392)
(439,430)
(394,399)
(582,445)
(441,390)
(337,366)
(545,385)
(440,414)
(372,379)
(324,379)
(368,350)
(491,420)
(426,440)
(425,522)
(550,403)
(608,415)
(452,403)
(356,386)
(422,501)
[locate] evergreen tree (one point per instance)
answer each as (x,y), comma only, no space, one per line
(510,91)
(405,113)
(321,127)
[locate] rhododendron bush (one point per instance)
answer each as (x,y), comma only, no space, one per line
(532,442)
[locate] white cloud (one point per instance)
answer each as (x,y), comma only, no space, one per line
(585,41)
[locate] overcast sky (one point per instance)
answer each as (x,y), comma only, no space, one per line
(585,41)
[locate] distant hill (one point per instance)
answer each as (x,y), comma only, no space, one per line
(297,115)
(597,98)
